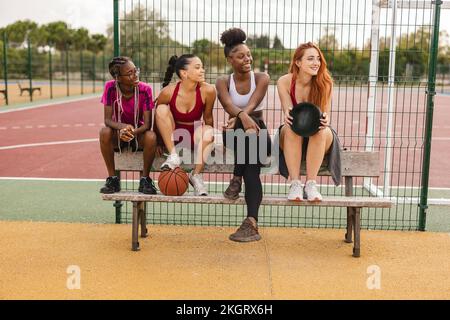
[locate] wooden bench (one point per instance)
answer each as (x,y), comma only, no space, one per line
(354,164)
(28,89)
(4,92)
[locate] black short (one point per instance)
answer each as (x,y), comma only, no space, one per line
(262,159)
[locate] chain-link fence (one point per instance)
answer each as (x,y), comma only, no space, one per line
(30,72)
(379,55)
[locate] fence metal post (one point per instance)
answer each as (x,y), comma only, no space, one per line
(431,92)
(116,29)
(5,63)
(81,71)
(67,71)
(103,66)
(30,74)
(50,71)
(94,76)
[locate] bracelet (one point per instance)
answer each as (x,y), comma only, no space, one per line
(237,116)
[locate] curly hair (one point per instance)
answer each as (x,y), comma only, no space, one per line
(232,38)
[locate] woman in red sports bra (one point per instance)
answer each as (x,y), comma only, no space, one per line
(179,112)
(308,80)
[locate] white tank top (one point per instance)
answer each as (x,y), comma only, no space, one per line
(241,100)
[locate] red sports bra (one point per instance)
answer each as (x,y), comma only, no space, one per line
(195,114)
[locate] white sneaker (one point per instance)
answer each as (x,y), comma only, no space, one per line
(172,161)
(312,194)
(196,181)
(295,191)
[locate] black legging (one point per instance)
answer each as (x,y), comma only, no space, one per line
(250,172)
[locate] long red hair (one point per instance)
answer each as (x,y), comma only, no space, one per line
(320,93)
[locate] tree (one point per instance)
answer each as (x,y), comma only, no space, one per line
(97,43)
(201,48)
(22,30)
(277,44)
(145,28)
(81,38)
(255,41)
(211,53)
(328,41)
(59,35)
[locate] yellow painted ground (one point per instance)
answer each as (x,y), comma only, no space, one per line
(186,262)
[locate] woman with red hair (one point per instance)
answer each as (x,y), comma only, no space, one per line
(308,80)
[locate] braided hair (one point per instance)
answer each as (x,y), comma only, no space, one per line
(175,65)
(115,64)
(232,38)
(114,69)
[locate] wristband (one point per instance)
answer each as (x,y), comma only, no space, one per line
(237,116)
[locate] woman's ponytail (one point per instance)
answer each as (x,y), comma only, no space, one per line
(170,71)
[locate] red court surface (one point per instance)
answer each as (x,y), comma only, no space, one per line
(80,122)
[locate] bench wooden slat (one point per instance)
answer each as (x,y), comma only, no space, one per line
(357,202)
(354,163)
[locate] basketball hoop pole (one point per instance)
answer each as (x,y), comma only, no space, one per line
(373,78)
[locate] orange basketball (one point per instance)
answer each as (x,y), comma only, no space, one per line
(173,182)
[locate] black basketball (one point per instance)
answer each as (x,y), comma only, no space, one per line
(306,119)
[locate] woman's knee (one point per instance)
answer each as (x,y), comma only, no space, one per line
(322,134)
(106,134)
(150,138)
(289,137)
(205,132)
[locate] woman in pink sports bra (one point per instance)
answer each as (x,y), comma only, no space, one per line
(308,80)
(180,109)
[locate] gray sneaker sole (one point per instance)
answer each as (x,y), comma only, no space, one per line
(230,197)
(248,239)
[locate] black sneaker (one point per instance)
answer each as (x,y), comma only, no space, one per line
(112,185)
(147,186)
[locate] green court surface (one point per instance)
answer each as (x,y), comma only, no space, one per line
(80,201)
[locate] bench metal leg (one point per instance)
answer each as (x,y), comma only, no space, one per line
(143,220)
(118,205)
(350,211)
(135,229)
(348,234)
(357,232)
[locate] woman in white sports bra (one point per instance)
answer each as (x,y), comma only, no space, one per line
(241,95)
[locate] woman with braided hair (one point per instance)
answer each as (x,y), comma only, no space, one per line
(128,112)
(180,109)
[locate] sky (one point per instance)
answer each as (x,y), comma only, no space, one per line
(96,15)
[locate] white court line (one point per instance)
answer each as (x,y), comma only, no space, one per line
(18,146)
(51,179)
(42,126)
(207,182)
(441,138)
(53,103)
